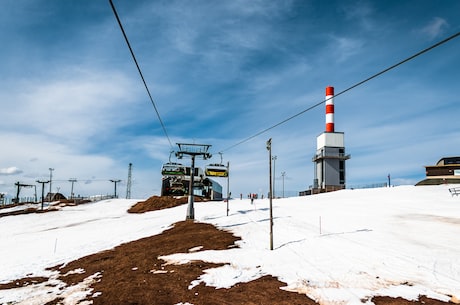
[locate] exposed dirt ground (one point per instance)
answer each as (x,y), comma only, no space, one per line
(159,202)
(37,207)
(132,273)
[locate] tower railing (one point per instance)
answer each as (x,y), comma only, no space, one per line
(323,155)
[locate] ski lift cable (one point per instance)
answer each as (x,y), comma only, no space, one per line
(346,90)
(140,73)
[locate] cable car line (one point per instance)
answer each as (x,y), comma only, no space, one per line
(140,73)
(293,116)
(173,174)
(346,90)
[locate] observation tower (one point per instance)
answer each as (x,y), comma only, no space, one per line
(330,154)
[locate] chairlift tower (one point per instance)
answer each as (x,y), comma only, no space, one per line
(192,150)
(42,182)
(72,181)
(19,186)
(115,181)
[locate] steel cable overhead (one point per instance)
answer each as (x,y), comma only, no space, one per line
(293,116)
(346,90)
(140,73)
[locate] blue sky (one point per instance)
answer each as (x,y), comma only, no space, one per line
(221,71)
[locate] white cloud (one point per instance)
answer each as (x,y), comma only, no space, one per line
(259,7)
(435,28)
(71,106)
(67,161)
(361,11)
(344,47)
(10,171)
(221,73)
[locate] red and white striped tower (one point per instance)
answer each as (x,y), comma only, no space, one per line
(330,154)
(329,109)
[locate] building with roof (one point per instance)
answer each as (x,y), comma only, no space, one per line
(446,171)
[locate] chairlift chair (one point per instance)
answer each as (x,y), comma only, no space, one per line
(173,169)
(216,170)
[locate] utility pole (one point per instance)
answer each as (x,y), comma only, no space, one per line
(282,175)
(228,185)
(269,148)
(128,184)
(43,189)
(72,180)
(192,150)
(51,179)
(274,175)
(115,182)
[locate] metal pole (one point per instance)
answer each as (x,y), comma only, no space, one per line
(269,147)
(228,186)
(43,192)
(43,189)
(190,208)
(283,174)
(18,190)
(274,175)
(115,190)
(51,179)
(72,180)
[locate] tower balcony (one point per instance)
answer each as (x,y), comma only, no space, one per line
(325,155)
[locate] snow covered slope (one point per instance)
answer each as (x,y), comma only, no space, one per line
(344,246)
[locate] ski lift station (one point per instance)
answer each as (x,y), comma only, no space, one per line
(175,182)
(176,179)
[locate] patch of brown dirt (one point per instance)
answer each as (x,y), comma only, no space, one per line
(19,212)
(23,282)
(37,209)
(6,206)
(132,273)
(73,202)
(28,211)
(159,202)
(400,301)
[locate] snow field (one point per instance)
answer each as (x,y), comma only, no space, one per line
(341,247)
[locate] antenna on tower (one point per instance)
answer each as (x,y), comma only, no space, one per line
(128,184)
